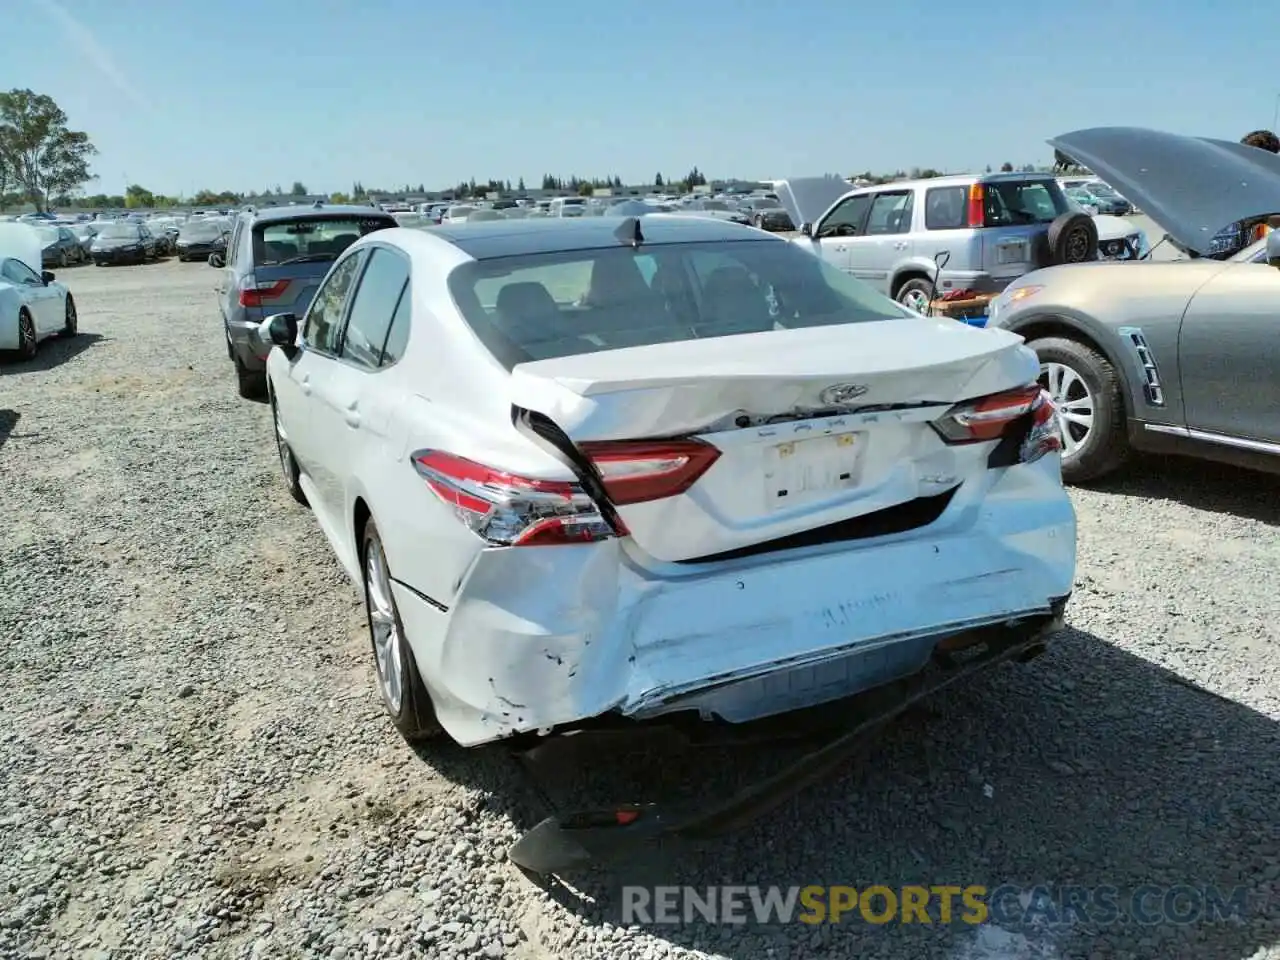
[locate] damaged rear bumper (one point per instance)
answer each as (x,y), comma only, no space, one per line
(577,633)
(568,840)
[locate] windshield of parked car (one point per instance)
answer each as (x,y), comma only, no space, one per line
(119,231)
(311,239)
(558,304)
(714,205)
(1099,189)
(200,230)
(766,204)
(1014,202)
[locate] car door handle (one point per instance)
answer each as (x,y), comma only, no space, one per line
(841,249)
(900,245)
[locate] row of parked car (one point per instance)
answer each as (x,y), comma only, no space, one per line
(65,243)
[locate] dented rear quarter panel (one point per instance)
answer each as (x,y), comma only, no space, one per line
(1106,302)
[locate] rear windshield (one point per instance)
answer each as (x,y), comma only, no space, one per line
(311,239)
(558,304)
(1014,202)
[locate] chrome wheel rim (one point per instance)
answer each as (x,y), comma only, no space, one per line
(385,627)
(26,334)
(914,300)
(1074,402)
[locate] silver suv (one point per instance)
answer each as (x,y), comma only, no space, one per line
(992,229)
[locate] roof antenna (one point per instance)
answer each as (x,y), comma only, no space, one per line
(629,232)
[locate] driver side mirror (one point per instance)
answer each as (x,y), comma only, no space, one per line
(1273,248)
(47,277)
(806,229)
(216,260)
(280,330)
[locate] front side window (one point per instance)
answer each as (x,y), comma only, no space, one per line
(847,218)
(18,272)
(373,306)
(324,317)
(553,305)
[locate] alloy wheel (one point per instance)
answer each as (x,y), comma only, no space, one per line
(26,335)
(385,627)
(914,300)
(1074,401)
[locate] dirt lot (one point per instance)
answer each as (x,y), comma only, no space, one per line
(193,761)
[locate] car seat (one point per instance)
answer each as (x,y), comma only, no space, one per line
(527,313)
(732,304)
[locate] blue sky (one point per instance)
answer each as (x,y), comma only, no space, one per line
(181,95)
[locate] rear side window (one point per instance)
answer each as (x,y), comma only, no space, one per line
(373,306)
(944,208)
(553,305)
(398,335)
(890,213)
(311,239)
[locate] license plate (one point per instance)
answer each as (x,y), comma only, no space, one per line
(804,470)
(1011,252)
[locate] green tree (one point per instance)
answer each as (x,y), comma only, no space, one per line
(520,186)
(138,197)
(298,189)
(42,155)
(1006,167)
(585,189)
(339,198)
(657,180)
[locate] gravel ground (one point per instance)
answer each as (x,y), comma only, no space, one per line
(193,761)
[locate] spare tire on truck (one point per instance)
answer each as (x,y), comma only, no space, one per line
(1073,238)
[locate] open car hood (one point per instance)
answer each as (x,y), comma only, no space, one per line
(21,242)
(1192,187)
(807,198)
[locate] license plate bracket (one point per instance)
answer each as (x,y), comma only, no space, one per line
(1012,251)
(801,471)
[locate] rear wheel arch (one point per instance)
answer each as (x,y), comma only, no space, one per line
(1052,325)
(908,274)
(360,515)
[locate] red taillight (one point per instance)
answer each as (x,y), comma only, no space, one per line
(992,417)
(977,200)
(253,294)
(510,510)
(636,471)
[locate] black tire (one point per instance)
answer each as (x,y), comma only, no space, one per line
(288,463)
(1073,238)
(916,291)
(413,715)
(28,342)
(1104,448)
(250,384)
(71,320)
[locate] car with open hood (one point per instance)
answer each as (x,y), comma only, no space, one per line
(33,304)
(600,470)
(974,233)
(1173,356)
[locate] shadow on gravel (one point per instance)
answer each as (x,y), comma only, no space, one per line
(8,420)
(1088,767)
(52,353)
(1216,487)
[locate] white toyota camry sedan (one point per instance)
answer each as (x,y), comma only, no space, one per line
(605,469)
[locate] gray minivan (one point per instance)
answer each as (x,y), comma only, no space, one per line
(274,263)
(987,230)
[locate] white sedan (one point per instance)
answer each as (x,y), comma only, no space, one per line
(616,468)
(33,305)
